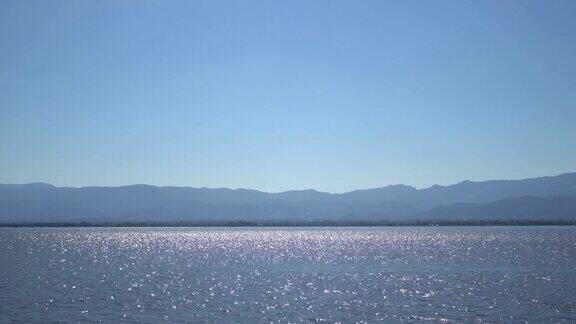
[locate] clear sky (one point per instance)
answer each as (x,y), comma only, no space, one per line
(278,95)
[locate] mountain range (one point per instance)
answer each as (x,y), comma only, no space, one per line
(542,198)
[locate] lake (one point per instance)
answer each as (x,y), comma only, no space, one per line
(452,274)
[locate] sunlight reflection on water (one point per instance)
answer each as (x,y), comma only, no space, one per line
(288,274)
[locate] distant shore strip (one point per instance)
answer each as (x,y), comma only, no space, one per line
(299,224)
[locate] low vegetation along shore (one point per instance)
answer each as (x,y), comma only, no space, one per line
(299,224)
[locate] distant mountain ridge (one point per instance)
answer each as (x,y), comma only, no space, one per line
(496,199)
(561,207)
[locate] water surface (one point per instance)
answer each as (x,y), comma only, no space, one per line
(491,274)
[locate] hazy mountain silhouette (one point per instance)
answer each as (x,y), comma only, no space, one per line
(523,208)
(469,191)
(536,198)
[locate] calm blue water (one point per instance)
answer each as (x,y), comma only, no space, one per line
(491,274)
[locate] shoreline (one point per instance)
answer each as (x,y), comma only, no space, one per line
(297,224)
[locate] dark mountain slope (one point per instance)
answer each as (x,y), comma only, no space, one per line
(524,208)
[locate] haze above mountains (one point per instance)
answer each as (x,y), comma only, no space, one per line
(543,198)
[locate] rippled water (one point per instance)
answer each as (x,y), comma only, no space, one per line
(488,274)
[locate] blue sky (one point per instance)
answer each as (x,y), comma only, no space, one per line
(271,95)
